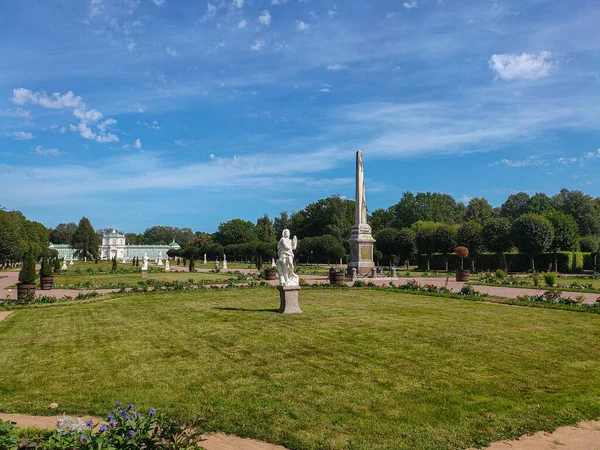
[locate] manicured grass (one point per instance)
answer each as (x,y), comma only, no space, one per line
(563,283)
(132,279)
(360,369)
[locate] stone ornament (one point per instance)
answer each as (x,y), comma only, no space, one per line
(145,262)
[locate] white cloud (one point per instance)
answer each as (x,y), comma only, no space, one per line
(239,3)
(181,142)
(137,144)
(258,43)
(47,151)
(325,89)
(88,115)
(242,24)
(278,2)
(22,96)
(410,4)
(58,129)
(139,107)
(22,135)
(526,66)
(265,18)
(171,51)
(96,7)
(159,2)
(105,124)
(337,67)
(302,26)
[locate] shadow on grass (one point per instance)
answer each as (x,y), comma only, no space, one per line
(272,310)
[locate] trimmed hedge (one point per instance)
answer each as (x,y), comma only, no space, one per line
(568,262)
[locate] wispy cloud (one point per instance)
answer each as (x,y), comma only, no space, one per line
(47,151)
(258,44)
(22,135)
(301,25)
(531,161)
(265,18)
(337,67)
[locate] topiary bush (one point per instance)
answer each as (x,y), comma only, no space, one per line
(27,274)
(46,268)
(500,274)
(550,279)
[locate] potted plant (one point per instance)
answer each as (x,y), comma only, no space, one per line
(56,265)
(46,275)
(461,274)
(27,277)
(271,273)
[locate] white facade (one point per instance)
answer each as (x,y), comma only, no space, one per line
(113,245)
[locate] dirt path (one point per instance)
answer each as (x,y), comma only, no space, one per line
(4,315)
(584,436)
(213,441)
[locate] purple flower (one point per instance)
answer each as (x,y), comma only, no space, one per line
(121,411)
(130,407)
(110,416)
(139,413)
(112,423)
(83,438)
(152,411)
(131,433)
(127,416)
(118,403)
(89,423)
(103,428)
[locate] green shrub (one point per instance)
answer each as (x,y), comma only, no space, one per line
(46,268)
(57,264)
(550,279)
(500,274)
(536,280)
(9,439)
(27,274)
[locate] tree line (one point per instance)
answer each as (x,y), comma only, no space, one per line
(421,224)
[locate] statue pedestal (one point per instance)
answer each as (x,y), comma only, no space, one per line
(361,250)
(144,273)
(288,297)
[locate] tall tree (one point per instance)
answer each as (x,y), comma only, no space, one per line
(540,204)
(236,231)
(479,210)
(426,207)
(470,235)
(265,229)
(566,233)
(63,233)
(425,239)
(515,205)
(582,207)
(280,223)
(497,237)
(85,241)
(445,240)
(380,219)
(532,234)
(387,243)
(10,236)
(407,245)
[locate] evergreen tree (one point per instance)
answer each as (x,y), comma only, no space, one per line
(46,268)
(85,241)
(27,273)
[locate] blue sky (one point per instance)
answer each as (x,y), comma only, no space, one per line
(189,113)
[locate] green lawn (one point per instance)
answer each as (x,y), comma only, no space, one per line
(360,369)
(132,279)
(563,283)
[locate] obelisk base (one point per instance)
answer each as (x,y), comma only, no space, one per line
(288,300)
(361,250)
(144,273)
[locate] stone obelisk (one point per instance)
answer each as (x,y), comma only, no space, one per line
(361,241)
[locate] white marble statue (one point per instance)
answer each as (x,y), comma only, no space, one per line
(71,263)
(273,263)
(145,262)
(285,264)
(205,262)
(224,261)
(159,259)
(167,265)
(64,265)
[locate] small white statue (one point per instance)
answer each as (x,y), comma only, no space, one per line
(64,265)
(71,263)
(285,264)
(145,262)
(273,263)
(167,266)
(217,264)
(224,262)
(205,262)
(159,259)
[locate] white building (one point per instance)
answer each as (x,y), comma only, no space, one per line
(113,245)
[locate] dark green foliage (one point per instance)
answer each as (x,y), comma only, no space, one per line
(332,216)
(85,241)
(45,268)
(426,207)
(160,234)
(565,230)
(192,265)
(27,273)
(532,234)
(540,204)
(63,233)
(381,219)
(265,230)
(582,207)
(9,439)
(236,231)
(470,235)
(57,263)
(316,249)
(114,264)
(425,238)
(515,205)
(479,210)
